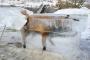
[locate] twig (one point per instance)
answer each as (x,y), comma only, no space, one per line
(2,32)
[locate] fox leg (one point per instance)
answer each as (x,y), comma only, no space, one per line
(44,36)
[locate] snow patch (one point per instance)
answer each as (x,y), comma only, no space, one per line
(12,17)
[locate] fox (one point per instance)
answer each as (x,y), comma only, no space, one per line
(38,29)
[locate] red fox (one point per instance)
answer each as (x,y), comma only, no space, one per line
(43,30)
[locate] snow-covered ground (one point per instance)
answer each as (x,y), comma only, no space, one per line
(13,53)
(68,47)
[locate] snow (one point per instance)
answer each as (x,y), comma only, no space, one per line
(12,53)
(86,33)
(85,41)
(72,11)
(12,17)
